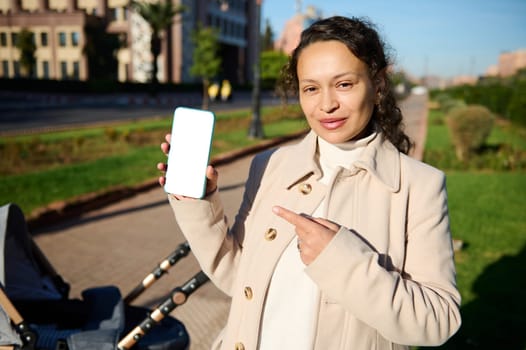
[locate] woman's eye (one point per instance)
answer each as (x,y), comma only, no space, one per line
(345,84)
(309,89)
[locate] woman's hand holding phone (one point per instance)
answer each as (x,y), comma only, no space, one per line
(211,172)
(188,149)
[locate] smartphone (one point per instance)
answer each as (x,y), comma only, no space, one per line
(192,132)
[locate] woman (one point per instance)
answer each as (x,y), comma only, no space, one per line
(341,241)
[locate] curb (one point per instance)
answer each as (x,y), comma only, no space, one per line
(57,212)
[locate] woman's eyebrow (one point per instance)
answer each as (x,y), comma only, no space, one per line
(336,77)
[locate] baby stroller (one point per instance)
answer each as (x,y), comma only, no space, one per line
(36,313)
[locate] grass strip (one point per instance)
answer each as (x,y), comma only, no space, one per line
(134,166)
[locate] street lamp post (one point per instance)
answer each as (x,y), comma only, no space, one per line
(256,129)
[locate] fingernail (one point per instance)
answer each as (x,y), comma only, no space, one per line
(275,209)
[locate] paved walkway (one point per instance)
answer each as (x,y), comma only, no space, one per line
(122,242)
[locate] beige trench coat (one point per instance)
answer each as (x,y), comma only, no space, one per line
(386,278)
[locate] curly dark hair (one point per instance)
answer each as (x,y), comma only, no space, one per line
(362,39)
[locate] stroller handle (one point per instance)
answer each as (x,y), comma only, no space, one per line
(180,252)
(177,297)
(27,335)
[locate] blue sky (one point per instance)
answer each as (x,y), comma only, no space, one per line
(440,37)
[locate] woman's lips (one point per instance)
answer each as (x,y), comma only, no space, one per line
(332,123)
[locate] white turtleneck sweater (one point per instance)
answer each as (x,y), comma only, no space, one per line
(291,306)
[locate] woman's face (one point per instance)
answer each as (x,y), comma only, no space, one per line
(335,91)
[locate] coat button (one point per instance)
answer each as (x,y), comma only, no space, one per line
(305,188)
(248,293)
(240,346)
(271,234)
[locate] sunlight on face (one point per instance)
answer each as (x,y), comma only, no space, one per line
(335,91)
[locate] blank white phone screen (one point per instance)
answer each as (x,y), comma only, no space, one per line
(192,131)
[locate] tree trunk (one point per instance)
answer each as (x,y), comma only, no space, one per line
(156,51)
(205,103)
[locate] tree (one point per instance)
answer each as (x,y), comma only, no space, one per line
(101,51)
(271,64)
(207,62)
(159,16)
(27,47)
(267,42)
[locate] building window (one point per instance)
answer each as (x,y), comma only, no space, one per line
(14,38)
(75,38)
(45,70)
(114,14)
(16,69)
(5,68)
(125,13)
(62,39)
(76,70)
(64,70)
(3,39)
(43,39)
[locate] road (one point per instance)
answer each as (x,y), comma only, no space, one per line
(121,243)
(36,113)
(414,109)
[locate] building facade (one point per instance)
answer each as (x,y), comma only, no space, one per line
(509,63)
(291,33)
(64,32)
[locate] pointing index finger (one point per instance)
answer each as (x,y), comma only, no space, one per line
(298,220)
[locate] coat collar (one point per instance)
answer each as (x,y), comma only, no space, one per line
(380,158)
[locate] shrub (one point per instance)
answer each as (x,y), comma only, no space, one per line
(494,96)
(451,104)
(447,103)
(112,134)
(469,128)
(517,107)
(440,97)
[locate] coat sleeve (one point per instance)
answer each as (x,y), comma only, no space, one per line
(217,247)
(415,304)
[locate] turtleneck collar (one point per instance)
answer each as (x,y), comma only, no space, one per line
(342,155)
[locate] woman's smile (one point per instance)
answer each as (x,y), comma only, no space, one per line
(332,123)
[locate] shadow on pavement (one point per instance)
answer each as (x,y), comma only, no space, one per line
(80,221)
(85,220)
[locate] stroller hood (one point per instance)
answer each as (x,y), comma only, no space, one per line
(24,271)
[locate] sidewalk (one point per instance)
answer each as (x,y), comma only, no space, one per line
(121,243)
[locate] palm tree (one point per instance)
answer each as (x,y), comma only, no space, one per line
(159,16)
(26,46)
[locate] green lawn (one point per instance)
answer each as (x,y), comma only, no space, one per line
(488,213)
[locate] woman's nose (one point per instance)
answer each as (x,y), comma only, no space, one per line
(329,102)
